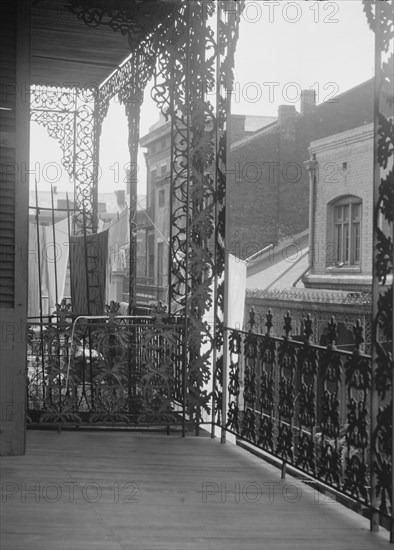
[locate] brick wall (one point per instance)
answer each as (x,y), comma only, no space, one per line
(252,195)
(268,188)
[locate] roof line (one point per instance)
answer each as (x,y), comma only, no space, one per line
(273,124)
(250,258)
(255,135)
(280,245)
(288,269)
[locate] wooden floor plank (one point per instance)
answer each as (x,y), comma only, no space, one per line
(95,490)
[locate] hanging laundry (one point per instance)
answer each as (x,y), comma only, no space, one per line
(56,252)
(118,239)
(236,292)
(37,271)
(89,267)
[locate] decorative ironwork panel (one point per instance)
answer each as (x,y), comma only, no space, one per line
(329,452)
(192,64)
(248,430)
(233,413)
(358,385)
(308,361)
(111,370)
(68,114)
(131,96)
(268,382)
(380,19)
(305,404)
(346,314)
(227,33)
(286,405)
(55,109)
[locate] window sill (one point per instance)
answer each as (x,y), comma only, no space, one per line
(343,269)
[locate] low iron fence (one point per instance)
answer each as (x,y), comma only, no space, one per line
(105,369)
(310,407)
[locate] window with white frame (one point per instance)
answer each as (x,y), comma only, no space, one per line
(347,214)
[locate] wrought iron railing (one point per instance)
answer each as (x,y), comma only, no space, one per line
(105,370)
(307,405)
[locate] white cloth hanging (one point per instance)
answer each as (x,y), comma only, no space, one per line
(56,252)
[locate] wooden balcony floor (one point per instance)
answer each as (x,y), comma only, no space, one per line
(72,491)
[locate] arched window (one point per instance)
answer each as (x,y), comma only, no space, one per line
(346,216)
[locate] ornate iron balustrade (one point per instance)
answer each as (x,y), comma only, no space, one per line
(345,314)
(106,370)
(307,405)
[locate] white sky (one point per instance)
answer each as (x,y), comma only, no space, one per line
(284,47)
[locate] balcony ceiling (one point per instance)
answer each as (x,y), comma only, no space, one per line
(81,48)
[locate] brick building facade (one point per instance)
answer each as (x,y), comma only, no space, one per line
(268,187)
(341,221)
(157,143)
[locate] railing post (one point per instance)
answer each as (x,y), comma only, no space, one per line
(392,412)
(184,382)
(224,386)
(225,351)
(374,524)
(380,20)
(268,323)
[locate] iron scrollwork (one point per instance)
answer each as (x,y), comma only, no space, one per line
(233,413)
(286,404)
(85,375)
(307,405)
(380,19)
(68,114)
(308,361)
(191,62)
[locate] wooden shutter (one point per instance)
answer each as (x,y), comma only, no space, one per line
(7,154)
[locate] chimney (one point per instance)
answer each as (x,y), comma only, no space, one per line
(308,102)
(286,113)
